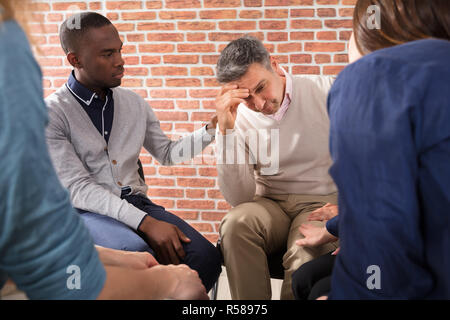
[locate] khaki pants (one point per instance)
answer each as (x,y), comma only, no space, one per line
(252,230)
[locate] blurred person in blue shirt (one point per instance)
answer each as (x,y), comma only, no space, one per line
(390,144)
(45,249)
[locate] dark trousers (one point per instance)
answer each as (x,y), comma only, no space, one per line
(107,232)
(313,279)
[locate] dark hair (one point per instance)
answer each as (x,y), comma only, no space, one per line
(238,55)
(400,21)
(74,28)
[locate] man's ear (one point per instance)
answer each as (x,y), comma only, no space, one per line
(73,60)
(276,67)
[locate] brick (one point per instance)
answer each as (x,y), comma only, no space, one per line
(172,37)
(338,23)
(195,193)
(305,70)
(196,47)
(169,71)
(188,104)
(324,46)
(218,14)
(250,14)
(296,13)
(326,12)
(153,4)
(237,25)
(66,6)
(301,58)
(161,104)
(181,4)
(186,215)
(289,2)
(332,70)
(322,58)
(160,182)
(202,116)
(196,36)
(272,25)
(144,26)
(123,5)
(163,192)
(151,59)
(163,93)
(197,25)
(212,216)
(221,3)
(202,71)
(203,93)
(277,13)
(224,36)
(185,82)
(181,59)
(202,227)
(306,24)
(171,115)
(195,204)
(208,172)
(196,182)
(177,15)
(160,48)
(177,171)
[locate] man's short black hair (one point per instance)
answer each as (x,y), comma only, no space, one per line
(75,28)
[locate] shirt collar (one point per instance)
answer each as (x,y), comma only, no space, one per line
(80,91)
(286,99)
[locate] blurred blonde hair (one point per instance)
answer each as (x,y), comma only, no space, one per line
(16,10)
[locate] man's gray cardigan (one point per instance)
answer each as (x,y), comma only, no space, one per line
(93,171)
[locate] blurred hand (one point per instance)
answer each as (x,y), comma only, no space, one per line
(314,236)
(327,212)
(126,259)
(189,286)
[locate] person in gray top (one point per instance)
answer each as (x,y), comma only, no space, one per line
(95,134)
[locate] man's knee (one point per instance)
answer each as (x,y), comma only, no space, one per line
(238,221)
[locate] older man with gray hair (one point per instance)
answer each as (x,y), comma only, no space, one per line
(262,108)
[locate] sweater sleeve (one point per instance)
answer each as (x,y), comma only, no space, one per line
(167,151)
(332,226)
(42,240)
(235,175)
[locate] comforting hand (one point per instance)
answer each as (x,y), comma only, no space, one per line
(314,236)
(165,239)
(126,259)
(188,284)
(227,102)
(327,212)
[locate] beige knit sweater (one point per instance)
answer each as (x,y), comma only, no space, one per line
(262,156)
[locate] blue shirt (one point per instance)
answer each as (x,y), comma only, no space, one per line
(44,246)
(390,145)
(101,112)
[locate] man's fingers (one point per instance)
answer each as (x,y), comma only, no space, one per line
(182,236)
(173,257)
(178,247)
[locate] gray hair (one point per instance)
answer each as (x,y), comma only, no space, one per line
(238,55)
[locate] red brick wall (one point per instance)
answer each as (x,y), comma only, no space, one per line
(170,49)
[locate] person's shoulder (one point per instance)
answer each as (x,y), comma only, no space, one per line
(60,98)
(313,80)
